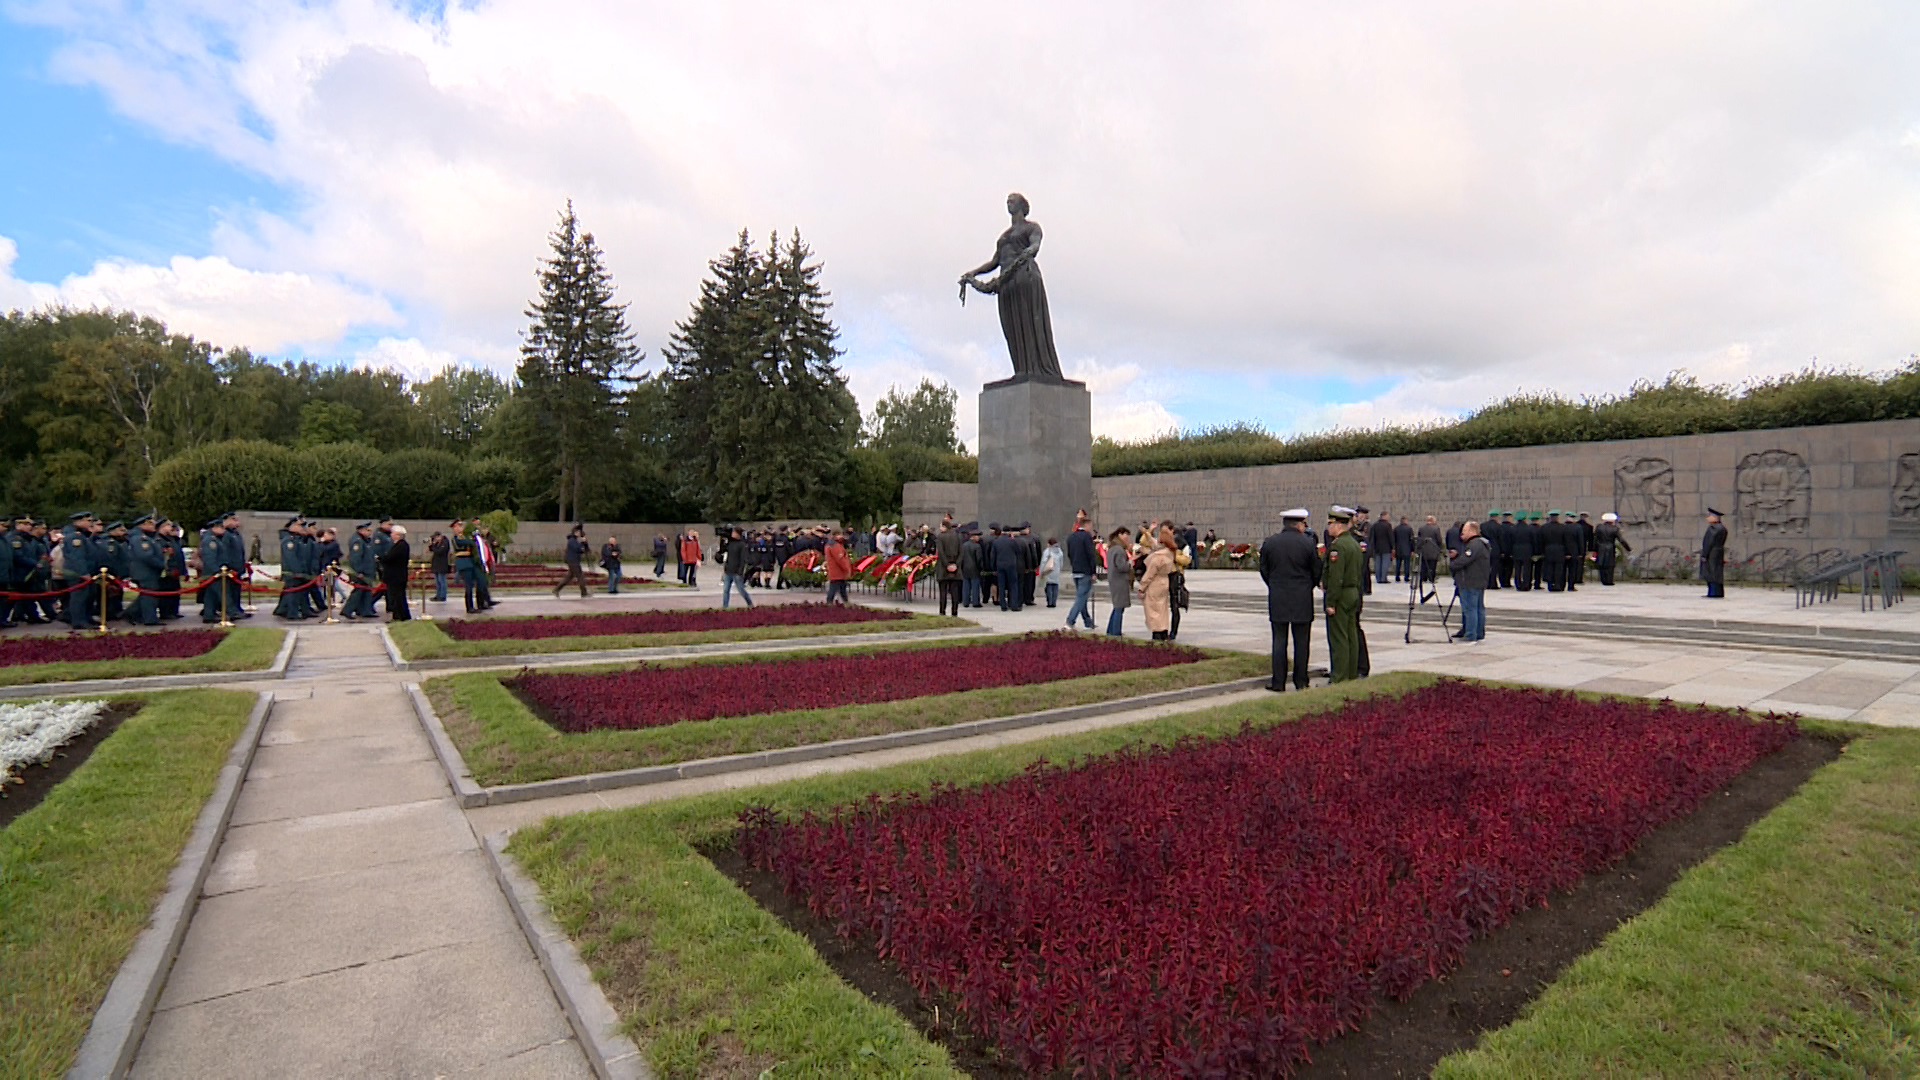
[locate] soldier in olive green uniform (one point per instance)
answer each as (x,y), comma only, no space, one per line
(1342,582)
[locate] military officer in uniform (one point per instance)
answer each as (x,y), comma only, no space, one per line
(7,575)
(212,547)
(146,560)
(382,540)
(1553,552)
(17,557)
(295,577)
(1607,543)
(1341,583)
(1291,568)
(28,554)
(1490,529)
(362,571)
(234,557)
(174,546)
(1713,556)
(115,557)
(78,561)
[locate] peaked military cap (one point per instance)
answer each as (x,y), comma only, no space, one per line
(81,516)
(116,525)
(1340,513)
(216,523)
(291,522)
(1298,513)
(1361,510)
(142,520)
(364,525)
(1714,512)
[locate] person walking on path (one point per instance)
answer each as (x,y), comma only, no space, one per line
(1291,568)
(1082,560)
(1341,582)
(733,569)
(839,569)
(1155,590)
(1713,556)
(659,556)
(947,553)
(610,562)
(1607,543)
(576,550)
(1119,578)
(1472,568)
(439,564)
(394,565)
(690,559)
(1051,560)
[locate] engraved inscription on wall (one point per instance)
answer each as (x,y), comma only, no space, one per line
(1643,493)
(1776,493)
(1904,514)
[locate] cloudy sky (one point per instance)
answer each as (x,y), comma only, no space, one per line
(1296,214)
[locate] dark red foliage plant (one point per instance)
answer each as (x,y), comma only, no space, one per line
(1216,908)
(668,622)
(172,644)
(653,695)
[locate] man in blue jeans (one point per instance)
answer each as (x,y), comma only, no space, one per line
(1082,562)
(1470,566)
(733,568)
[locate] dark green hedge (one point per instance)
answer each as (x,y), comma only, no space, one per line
(336,480)
(1679,406)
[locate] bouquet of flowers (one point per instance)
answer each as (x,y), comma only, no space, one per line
(1240,553)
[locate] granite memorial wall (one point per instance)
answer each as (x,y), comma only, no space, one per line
(1851,487)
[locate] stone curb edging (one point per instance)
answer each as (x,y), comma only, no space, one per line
(121,1020)
(471,794)
(276,670)
(612,1055)
(668,652)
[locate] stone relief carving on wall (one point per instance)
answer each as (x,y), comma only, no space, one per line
(1775,490)
(1906,488)
(1643,493)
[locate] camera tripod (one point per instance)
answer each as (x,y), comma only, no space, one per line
(1417,597)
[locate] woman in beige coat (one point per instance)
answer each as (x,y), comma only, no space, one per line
(1153,586)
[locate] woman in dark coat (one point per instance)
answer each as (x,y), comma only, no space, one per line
(393,574)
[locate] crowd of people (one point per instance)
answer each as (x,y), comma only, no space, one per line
(1530,549)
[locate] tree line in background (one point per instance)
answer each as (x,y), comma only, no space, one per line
(1679,406)
(749,419)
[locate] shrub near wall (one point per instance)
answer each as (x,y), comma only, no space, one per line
(335,480)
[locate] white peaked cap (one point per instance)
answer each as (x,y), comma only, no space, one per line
(1298,513)
(1609,517)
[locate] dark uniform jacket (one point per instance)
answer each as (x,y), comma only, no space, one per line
(1291,566)
(947,549)
(77,556)
(1007,553)
(293,557)
(146,559)
(22,557)
(1403,540)
(972,556)
(1713,554)
(362,562)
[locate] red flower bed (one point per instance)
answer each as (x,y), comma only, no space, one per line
(653,696)
(1215,908)
(530,575)
(54,649)
(667,622)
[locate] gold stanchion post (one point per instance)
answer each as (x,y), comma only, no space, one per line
(330,579)
(105,577)
(220,582)
(423,600)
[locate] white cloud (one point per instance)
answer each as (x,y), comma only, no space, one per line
(408,356)
(1457,200)
(210,298)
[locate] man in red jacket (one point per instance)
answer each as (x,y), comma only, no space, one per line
(839,569)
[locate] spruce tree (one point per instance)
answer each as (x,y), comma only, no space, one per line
(576,349)
(763,410)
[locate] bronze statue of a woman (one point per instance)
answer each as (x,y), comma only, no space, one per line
(1023,296)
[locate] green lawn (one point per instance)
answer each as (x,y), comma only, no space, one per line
(503,742)
(696,968)
(427,641)
(1794,952)
(80,873)
(243,649)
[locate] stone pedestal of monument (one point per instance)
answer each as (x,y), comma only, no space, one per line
(1036,454)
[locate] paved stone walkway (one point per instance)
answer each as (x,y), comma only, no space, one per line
(351,925)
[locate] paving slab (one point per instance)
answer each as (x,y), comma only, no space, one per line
(476,1005)
(346,754)
(306,794)
(1836,688)
(299,849)
(258,937)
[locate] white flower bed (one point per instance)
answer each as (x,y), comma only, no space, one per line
(29,734)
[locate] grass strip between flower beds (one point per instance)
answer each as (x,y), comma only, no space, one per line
(247,648)
(80,873)
(1800,935)
(419,640)
(503,742)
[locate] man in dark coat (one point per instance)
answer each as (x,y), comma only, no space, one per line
(1713,556)
(1380,547)
(576,550)
(393,564)
(1402,550)
(1607,543)
(293,572)
(363,570)
(1580,545)
(1430,550)
(233,554)
(1291,567)
(1553,552)
(946,554)
(174,544)
(1523,549)
(1471,567)
(1502,541)
(971,558)
(1007,569)
(119,562)
(1030,550)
